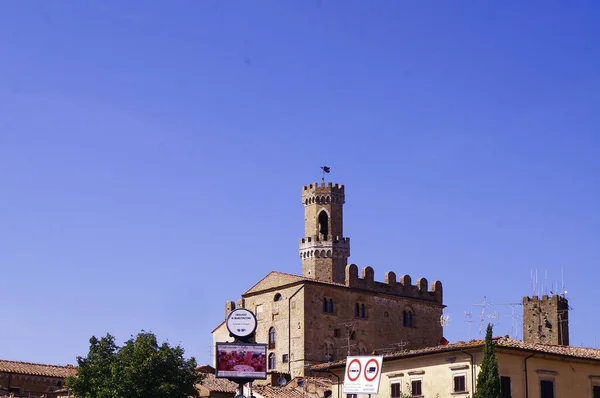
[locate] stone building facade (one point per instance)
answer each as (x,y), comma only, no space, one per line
(24,379)
(332,310)
(546,320)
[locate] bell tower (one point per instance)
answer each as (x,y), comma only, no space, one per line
(324,250)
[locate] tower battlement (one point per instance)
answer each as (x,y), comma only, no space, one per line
(421,290)
(323,238)
(323,193)
(324,187)
(554,298)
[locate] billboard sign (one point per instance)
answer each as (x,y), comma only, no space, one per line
(241,361)
(362,375)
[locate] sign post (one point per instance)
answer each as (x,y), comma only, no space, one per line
(363,375)
(242,361)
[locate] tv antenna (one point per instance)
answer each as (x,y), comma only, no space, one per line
(482,315)
(444,320)
(563,291)
(469,320)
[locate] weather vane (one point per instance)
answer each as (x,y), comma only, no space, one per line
(324,170)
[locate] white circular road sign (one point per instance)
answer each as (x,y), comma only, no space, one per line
(241,322)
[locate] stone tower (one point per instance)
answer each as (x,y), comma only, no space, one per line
(546,320)
(324,250)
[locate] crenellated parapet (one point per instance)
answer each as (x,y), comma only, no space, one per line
(322,193)
(315,246)
(390,285)
(555,298)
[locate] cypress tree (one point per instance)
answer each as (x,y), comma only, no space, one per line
(488,380)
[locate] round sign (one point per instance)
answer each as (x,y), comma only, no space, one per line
(354,369)
(371,369)
(241,322)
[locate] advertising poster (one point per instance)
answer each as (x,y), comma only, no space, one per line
(241,361)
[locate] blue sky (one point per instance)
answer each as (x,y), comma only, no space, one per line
(152,155)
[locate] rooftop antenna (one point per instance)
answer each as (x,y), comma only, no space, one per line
(444,320)
(495,318)
(469,320)
(482,316)
(324,170)
(563,291)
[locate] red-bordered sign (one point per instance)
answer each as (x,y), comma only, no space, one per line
(353,374)
(362,374)
(369,374)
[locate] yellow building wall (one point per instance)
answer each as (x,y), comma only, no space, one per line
(572,378)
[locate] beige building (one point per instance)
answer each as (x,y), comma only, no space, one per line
(332,310)
(24,379)
(541,366)
(527,370)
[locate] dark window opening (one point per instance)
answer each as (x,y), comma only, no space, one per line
(277,297)
(285,358)
(328,353)
(353,336)
(331,306)
(272,361)
(323,223)
(416,388)
(407,319)
(460,384)
(395,393)
(505,387)
(546,389)
(336,333)
(362,311)
(271,338)
(324,305)
(595,392)
(356,310)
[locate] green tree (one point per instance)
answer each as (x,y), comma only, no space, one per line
(141,368)
(488,380)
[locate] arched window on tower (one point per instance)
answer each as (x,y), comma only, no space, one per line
(356,310)
(363,314)
(272,362)
(331,306)
(323,223)
(272,338)
(408,318)
(277,297)
(325,307)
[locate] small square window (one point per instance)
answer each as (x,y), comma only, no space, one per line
(336,332)
(285,358)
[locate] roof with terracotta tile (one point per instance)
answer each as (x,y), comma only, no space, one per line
(286,279)
(278,392)
(36,369)
(211,383)
(292,390)
(501,342)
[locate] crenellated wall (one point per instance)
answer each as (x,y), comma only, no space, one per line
(323,193)
(392,286)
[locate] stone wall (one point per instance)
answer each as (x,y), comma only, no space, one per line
(31,385)
(546,320)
